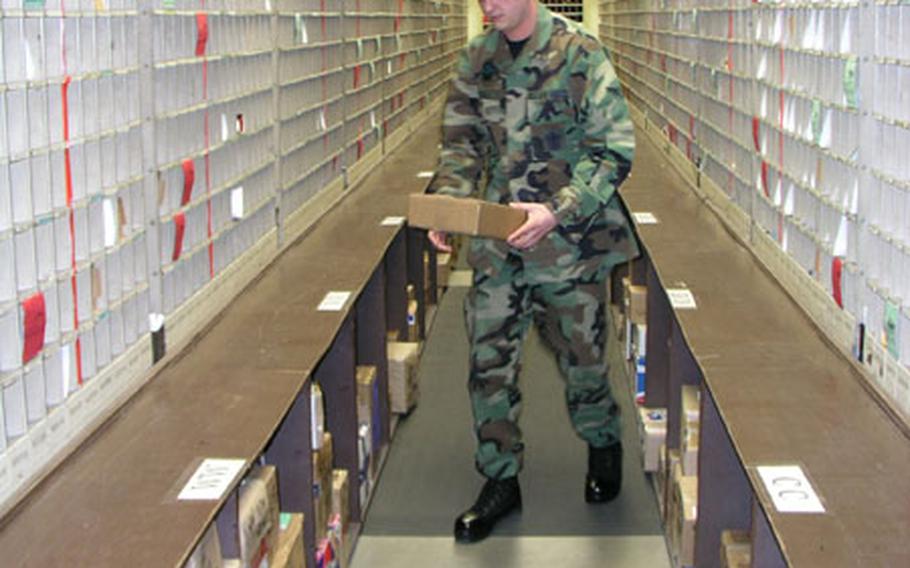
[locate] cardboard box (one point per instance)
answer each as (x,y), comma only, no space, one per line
(368,405)
(652,432)
(290,542)
(689,429)
(317,415)
(322,484)
(443,269)
(686,517)
(735,549)
(635,301)
(340,492)
(689,450)
(257,517)
(665,480)
(659,480)
(639,337)
(463,215)
(208,552)
(366,381)
(403,388)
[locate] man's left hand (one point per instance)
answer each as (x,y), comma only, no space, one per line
(540,221)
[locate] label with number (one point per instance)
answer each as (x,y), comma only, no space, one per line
(392,221)
(211,479)
(681,298)
(789,489)
(644,218)
(333,301)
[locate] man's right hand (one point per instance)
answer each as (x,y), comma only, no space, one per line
(440,240)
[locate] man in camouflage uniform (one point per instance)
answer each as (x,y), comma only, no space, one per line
(537,111)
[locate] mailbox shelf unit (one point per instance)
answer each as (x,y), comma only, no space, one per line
(242,391)
(155,156)
(793,123)
(771,390)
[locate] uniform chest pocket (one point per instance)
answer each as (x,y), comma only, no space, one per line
(550,107)
(551,117)
(492,109)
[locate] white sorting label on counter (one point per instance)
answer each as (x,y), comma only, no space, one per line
(681,298)
(789,489)
(425,175)
(211,480)
(392,221)
(333,301)
(645,218)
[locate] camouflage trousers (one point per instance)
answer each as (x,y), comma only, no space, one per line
(570,316)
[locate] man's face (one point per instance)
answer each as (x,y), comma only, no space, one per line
(508,16)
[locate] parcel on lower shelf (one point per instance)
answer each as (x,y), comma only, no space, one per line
(322,484)
(682,516)
(368,405)
(735,549)
(340,493)
(690,425)
(652,432)
(290,542)
(403,388)
(257,516)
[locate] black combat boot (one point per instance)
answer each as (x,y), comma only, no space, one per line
(604,478)
(496,500)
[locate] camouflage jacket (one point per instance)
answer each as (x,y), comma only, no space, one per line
(550,126)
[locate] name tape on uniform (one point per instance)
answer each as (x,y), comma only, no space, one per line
(789,489)
(211,479)
(392,221)
(333,301)
(425,174)
(645,218)
(681,298)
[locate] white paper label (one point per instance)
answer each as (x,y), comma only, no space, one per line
(156,321)
(373,123)
(211,480)
(322,124)
(644,218)
(681,298)
(110,227)
(29,64)
(237,203)
(425,174)
(392,221)
(333,302)
(789,489)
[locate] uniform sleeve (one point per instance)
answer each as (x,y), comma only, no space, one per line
(463,136)
(607,148)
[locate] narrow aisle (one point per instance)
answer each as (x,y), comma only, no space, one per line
(429,477)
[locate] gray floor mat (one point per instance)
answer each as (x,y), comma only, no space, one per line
(429,477)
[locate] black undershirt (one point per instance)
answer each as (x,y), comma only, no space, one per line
(515,46)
